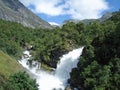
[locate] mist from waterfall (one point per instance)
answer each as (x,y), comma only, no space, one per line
(58,79)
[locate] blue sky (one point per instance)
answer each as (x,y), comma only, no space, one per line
(114,5)
(57,11)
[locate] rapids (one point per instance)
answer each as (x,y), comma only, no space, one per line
(58,79)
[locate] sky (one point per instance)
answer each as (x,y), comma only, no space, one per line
(57,11)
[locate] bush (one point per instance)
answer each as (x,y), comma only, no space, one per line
(21,81)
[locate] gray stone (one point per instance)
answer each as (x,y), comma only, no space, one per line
(15,11)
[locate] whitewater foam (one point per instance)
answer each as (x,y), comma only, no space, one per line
(58,80)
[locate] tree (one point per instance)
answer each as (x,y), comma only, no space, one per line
(21,81)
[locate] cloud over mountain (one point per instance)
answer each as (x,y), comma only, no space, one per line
(77,9)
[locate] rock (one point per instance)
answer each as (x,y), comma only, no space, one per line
(15,11)
(69,88)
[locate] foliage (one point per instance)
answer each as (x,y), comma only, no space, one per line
(99,65)
(48,45)
(21,81)
(98,68)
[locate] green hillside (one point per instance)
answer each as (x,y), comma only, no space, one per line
(99,65)
(12,75)
(8,66)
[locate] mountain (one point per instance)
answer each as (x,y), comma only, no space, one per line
(15,11)
(87,21)
(106,16)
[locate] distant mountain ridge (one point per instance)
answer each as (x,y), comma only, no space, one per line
(87,21)
(13,10)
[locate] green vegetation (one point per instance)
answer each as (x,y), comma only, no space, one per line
(21,81)
(48,45)
(18,81)
(99,65)
(10,76)
(8,65)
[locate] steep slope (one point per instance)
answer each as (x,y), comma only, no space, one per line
(13,10)
(106,16)
(8,66)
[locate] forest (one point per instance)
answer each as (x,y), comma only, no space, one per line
(98,67)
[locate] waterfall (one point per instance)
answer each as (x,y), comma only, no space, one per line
(67,62)
(58,80)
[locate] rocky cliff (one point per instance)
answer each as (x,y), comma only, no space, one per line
(13,10)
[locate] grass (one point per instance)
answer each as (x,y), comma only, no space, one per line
(8,65)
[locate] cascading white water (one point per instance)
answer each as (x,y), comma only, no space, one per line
(67,62)
(58,80)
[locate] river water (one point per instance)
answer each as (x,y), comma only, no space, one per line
(56,80)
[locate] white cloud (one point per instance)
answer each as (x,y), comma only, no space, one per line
(44,6)
(54,23)
(77,9)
